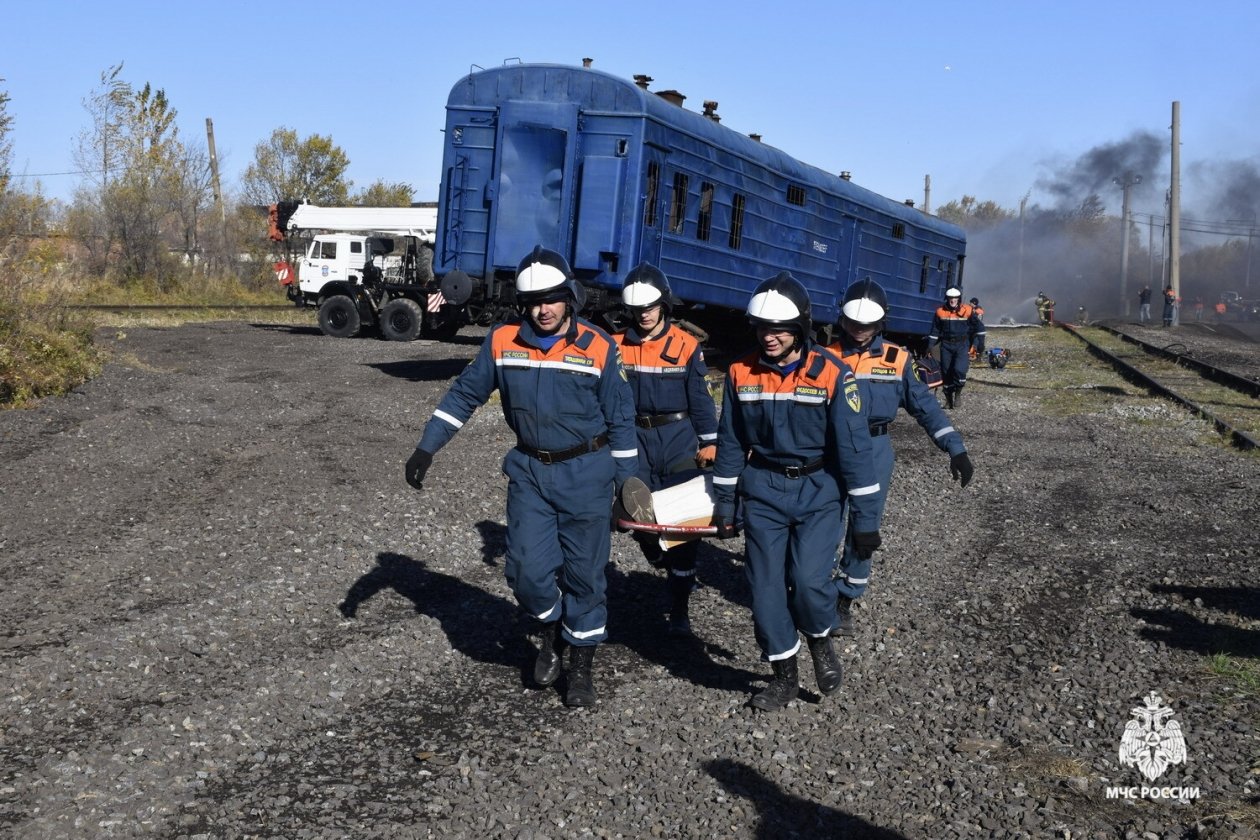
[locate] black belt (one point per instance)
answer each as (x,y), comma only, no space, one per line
(651,421)
(878,429)
(790,470)
(558,455)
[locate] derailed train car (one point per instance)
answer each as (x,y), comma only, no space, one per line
(609,174)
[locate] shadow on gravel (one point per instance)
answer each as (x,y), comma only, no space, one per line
(1180,629)
(477,624)
(636,618)
(288,328)
(493,541)
(421,370)
(783,815)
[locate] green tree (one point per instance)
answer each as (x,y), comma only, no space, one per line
(141,178)
(288,169)
(974,215)
(382,194)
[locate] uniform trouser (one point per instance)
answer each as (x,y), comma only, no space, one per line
(558,540)
(667,454)
(852,572)
(1144,312)
(790,537)
(954,364)
(680,560)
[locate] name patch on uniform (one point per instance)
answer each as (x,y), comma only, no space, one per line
(883,371)
(749,389)
(809,391)
(578,360)
(514,354)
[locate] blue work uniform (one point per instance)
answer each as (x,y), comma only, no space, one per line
(954,329)
(790,442)
(569,403)
(887,382)
(978,338)
(674,417)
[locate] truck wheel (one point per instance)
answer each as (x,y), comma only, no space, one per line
(401,319)
(339,317)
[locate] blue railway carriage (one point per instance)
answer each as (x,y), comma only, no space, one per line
(609,174)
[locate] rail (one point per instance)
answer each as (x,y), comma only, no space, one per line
(1238,437)
(1212,372)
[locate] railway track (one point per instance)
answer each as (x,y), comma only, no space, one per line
(1227,400)
(175,307)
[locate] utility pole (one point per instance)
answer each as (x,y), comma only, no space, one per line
(1019,272)
(214,178)
(1174,208)
(1127,182)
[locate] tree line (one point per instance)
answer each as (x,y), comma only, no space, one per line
(145,209)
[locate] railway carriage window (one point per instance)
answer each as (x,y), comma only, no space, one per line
(923,274)
(623,147)
(649,200)
(899,231)
(949,276)
(678,206)
(737,222)
(796,195)
(705,223)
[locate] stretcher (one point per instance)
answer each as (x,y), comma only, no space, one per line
(674,514)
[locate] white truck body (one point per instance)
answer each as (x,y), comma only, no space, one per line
(367,266)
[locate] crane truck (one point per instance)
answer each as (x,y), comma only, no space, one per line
(363,267)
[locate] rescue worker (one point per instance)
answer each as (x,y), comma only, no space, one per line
(567,399)
(792,444)
(1144,305)
(954,326)
(675,416)
(977,341)
(1170,305)
(887,382)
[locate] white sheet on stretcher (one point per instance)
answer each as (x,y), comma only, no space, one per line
(689,503)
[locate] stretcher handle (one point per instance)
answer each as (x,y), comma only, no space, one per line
(657,528)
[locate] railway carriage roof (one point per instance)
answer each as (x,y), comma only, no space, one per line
(596,90)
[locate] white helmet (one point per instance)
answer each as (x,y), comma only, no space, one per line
(953,292)
(865,302)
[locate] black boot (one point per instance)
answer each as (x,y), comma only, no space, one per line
(957,401)
(949,399)
(845,624)
(783,689)
(679,596)
(581,688)
(827,672)
(547,665)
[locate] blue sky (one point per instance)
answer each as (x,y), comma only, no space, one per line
(989,98)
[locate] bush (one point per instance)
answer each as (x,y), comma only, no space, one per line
(44,350)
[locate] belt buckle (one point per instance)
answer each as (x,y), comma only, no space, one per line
(545,457)
(792,472)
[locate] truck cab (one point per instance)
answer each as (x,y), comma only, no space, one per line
(342,258)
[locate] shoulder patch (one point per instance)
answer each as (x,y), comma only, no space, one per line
(851,393)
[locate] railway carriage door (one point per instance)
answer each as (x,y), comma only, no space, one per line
(849,234)
(653,196)
(532,197)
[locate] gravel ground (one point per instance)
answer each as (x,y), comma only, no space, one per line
(225,615)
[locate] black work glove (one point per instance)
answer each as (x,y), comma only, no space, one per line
(417,465)
(726,529)
(960,468)
(865,543)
